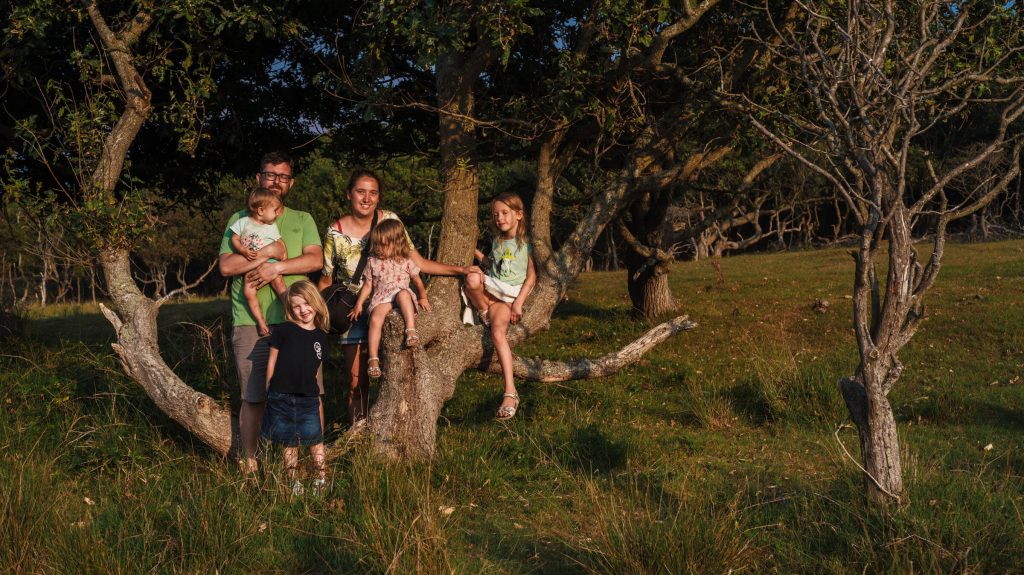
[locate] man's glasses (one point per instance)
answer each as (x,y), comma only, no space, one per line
(275,177)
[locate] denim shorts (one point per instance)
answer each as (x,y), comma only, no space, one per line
(292,420)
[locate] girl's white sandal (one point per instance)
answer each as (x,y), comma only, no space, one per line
(507,411)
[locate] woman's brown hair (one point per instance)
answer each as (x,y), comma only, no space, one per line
(360,173)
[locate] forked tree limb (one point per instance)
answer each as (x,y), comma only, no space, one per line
(186,287)
(545,371)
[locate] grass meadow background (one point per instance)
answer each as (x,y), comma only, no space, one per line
(721,451)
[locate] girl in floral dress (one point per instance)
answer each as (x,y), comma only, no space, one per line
(389,271)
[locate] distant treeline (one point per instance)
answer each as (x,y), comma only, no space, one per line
(794,210)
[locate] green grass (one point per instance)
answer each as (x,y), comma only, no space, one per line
(719,451)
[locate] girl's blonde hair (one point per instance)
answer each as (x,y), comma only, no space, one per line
(387,240)
(308,292)
(513,201)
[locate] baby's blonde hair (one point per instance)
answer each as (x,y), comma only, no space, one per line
(261,198)
(308,292)
(387,240)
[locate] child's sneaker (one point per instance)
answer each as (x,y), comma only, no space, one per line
(297,489)
(318,485)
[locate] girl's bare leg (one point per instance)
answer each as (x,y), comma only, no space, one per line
(291,461)
(500,314)
(474,288)
(407,308)
(359,382)
(318,453)
(377,316)
(254,306)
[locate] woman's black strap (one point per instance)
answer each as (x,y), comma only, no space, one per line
(356,277)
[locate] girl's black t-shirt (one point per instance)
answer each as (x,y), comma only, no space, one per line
(299,355)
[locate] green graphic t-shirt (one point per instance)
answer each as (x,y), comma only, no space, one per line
(509,260)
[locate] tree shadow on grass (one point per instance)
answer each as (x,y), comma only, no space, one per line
(88,327)
(750,403)
(951,407)
(633,523)
(325,556)
(589,449)
(574,308)
(87,374)
(996,415)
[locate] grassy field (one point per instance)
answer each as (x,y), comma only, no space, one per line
(722,451)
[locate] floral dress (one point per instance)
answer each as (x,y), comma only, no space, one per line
(389,277)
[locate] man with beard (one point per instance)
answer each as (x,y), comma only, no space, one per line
(301,254)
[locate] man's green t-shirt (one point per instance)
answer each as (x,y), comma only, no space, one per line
(298,231)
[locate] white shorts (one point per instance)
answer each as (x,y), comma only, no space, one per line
(495,287)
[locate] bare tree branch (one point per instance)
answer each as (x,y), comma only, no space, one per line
(546,371)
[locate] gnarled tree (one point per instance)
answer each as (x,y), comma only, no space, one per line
(86,75)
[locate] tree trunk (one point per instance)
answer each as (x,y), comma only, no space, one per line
(137,347)
(882,329)
(415,386)
(647,284)
(134,315)
(646,263)
(613,250)
(403,421)
(459,174)
(879,442)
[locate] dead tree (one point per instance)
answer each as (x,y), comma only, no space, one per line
(878,78)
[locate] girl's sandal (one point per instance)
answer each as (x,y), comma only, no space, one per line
(507,411)
(373,367)
(412,339)
(484,317)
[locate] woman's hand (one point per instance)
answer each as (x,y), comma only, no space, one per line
(467,270)
(425,304)
(354,314)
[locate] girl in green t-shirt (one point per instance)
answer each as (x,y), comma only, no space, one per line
(498,294)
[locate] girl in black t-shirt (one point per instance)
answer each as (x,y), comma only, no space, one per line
(297,350)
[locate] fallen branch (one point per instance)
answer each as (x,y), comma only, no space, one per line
(545,371)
